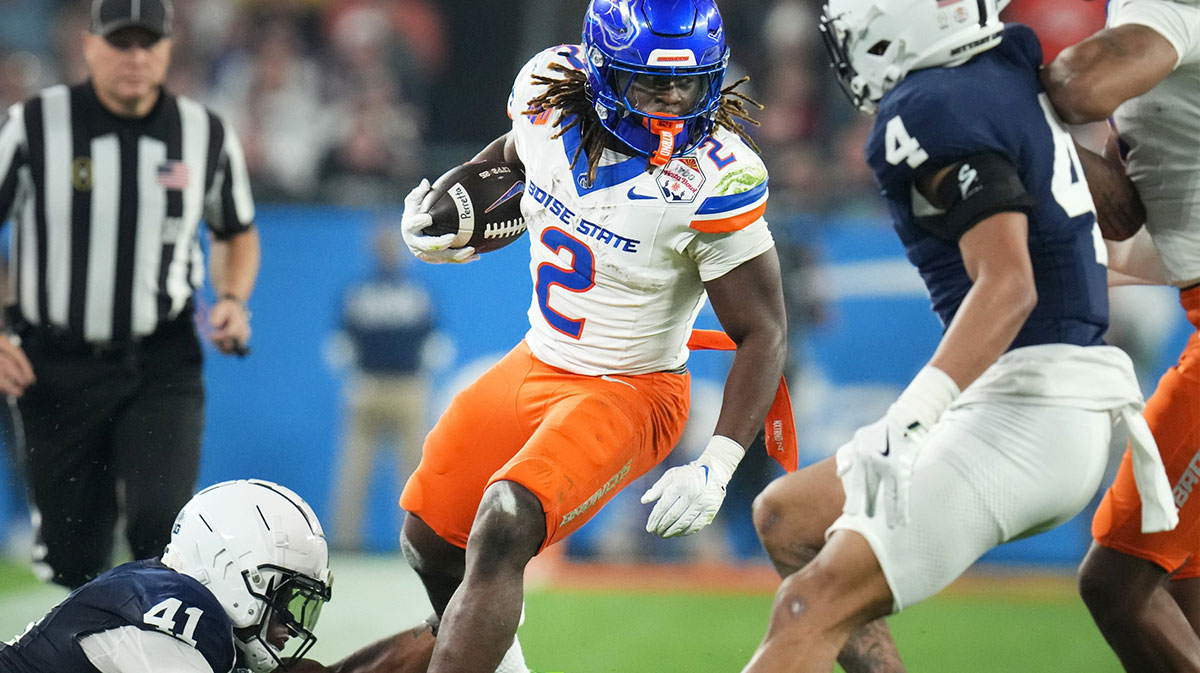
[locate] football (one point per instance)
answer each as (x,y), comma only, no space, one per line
(481,202)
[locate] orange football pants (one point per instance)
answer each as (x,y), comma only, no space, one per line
(1173,414)
(574,441)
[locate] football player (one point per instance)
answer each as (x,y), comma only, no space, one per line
(240,585)
(1143,71)
(643,195)
(1005,432)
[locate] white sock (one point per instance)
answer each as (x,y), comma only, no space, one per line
(514,660)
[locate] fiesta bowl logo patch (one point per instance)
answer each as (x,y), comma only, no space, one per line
(681,180)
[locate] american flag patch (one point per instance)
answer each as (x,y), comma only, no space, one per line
(173,174)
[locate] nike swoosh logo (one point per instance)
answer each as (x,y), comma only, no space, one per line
(634,196)
(887,446)
(515,190)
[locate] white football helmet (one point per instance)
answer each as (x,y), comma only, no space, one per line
(261,551)
(873,44)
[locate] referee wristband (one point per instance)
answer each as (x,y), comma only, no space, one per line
(237,300)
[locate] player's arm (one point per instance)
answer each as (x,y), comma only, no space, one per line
(503,148)
(994,244)
(982,205)
(405,652)
(749,303)
(748,300)
(436,249)
(129,649)
(1119,210)
(1088,80)
(1135,261)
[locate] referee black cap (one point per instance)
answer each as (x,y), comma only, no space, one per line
(109,16)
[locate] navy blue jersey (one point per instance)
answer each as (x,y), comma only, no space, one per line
(995,103)
(145,594)
(389,319)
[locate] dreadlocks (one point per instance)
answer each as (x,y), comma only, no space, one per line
(569,95)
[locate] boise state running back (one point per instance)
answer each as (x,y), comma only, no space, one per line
(614,263)
(937,116)
(643,196)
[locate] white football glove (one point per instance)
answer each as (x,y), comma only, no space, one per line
(689,495)
(881,456)
(432,249)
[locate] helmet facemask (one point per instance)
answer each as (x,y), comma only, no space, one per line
(655,73)
(291,605)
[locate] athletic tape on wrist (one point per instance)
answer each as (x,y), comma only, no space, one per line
(929,394)
(722,455)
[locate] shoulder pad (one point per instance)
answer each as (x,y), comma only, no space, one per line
(738,198)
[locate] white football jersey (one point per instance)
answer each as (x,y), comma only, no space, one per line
(618,266)
(1162,131)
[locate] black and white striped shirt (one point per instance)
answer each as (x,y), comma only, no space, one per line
(106,210)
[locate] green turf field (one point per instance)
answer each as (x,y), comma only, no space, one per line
(578,632)
(990,626)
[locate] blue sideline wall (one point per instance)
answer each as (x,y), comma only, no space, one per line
(277,414)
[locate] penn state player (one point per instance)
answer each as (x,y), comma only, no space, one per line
(246,571)
(643,195)
(1143,71)
(1005,432)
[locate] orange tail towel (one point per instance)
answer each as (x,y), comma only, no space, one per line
(781,425)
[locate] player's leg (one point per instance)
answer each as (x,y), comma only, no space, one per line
(1123,579)
(593,436)
(157,436)
(987,474)
(819,607)
(443,496)
(1130,603)
(439,564)
(1186,593)
(791,516)
(481,620)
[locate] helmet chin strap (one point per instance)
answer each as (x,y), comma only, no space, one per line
(666,130)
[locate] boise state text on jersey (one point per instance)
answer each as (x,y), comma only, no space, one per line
(937,116)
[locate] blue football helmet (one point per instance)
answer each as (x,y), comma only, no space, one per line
(655,70)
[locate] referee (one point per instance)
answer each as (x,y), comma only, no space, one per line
(106,184)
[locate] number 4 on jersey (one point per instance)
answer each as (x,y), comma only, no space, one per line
(900,146)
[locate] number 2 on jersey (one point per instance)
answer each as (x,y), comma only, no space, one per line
(579,277)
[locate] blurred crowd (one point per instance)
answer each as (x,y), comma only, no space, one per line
(339,101)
